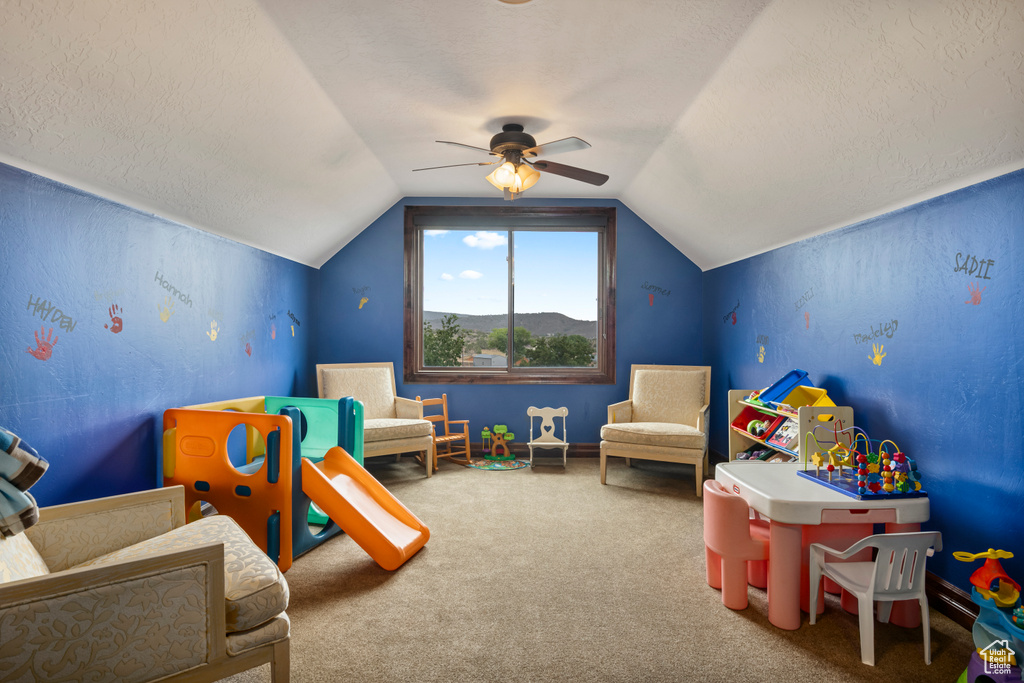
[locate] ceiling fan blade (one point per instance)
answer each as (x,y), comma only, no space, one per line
(570,172)
(556,147)
(459,144)
(479,163)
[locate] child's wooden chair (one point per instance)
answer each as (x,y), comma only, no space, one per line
(450,439)
(547,438)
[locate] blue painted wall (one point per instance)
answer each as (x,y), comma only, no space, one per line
(92,402)
(372,266)
(947,390)
(936,288)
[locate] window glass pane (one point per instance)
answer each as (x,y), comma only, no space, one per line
(556,299)
(465,297)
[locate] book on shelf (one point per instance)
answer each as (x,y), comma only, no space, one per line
(786,436)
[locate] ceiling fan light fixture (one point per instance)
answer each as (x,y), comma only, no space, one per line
(526,176)
(513,178)
(504,176)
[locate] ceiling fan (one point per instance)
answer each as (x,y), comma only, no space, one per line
(520,168)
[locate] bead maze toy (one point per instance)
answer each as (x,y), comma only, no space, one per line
(271,494)
(998,631)
(871,472)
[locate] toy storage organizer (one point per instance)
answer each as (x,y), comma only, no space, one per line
(779,407)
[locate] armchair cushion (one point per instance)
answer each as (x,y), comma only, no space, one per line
(254,588)
(271,632)
(372,385)
(654,434)
(668,396)
(387,429)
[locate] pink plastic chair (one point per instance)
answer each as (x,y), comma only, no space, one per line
(731,541)
(757,570)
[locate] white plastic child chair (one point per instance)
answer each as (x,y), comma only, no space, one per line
(897,573)
(546,438)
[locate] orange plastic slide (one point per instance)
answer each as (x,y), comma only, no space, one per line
(364,509)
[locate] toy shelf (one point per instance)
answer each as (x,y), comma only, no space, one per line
(807,417)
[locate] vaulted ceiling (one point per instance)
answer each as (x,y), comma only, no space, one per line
(730,126)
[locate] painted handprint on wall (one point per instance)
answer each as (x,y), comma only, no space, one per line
(760,354)
(362,302)
(248,349)
(975,293)
(213,331)
(273,331)
(116,324)
(879,355)
(167,310)
(44,346)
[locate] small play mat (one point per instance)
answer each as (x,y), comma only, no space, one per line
(482,464)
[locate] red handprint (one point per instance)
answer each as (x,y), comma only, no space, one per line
(44,347)
(807,319)
(975,293)
(248,349)
(273,331)
(734,317)
(116,324)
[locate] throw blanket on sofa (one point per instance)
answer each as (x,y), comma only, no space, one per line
(20,468)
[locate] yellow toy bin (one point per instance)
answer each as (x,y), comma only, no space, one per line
(806,396)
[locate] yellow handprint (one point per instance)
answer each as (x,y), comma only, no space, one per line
(760,355)
(362,301)
(877,358)
(214,329)
(167,310)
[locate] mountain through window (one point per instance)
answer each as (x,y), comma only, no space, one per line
(509,295)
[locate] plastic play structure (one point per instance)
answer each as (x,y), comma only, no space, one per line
(297,461)
(998,631)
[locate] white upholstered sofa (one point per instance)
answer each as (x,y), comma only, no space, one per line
(121,589)
(391,424)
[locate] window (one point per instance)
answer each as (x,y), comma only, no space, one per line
(509,295)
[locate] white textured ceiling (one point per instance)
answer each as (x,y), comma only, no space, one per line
(730,126)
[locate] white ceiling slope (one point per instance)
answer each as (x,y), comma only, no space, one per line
(730,126)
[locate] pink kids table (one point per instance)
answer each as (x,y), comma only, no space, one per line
(804,512)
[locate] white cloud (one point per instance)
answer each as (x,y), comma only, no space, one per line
(485,240)
(470,274)
(435,233)
(447,276)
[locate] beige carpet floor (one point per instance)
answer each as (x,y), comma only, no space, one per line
(546,575)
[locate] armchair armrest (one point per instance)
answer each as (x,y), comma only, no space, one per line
(620,412)
(702,418)
(70,534)
(164,614)
(408,409)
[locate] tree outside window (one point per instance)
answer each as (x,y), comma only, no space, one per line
(474,273)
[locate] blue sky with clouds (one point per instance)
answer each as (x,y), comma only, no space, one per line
(464,271)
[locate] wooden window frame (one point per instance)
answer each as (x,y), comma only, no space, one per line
(600,218)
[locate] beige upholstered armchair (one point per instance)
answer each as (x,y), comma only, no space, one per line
(121,589)
(665,418)
(392,425)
